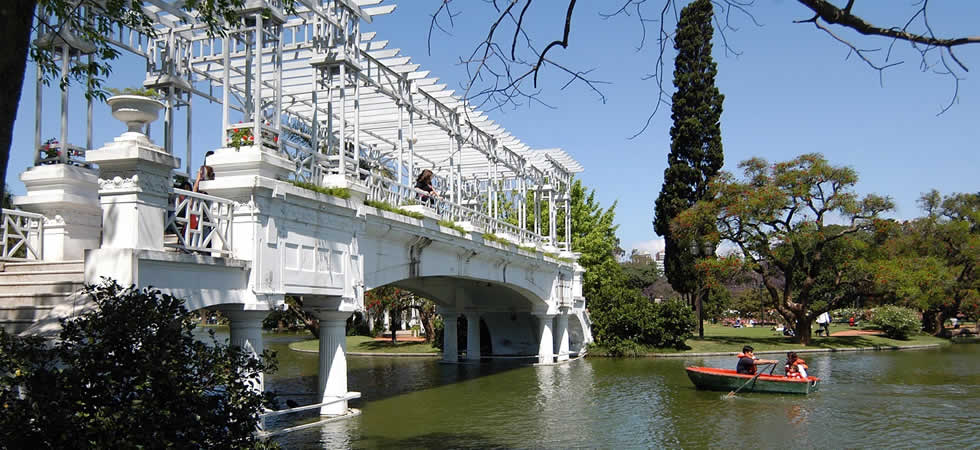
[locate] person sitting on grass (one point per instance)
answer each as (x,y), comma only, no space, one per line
(747,361)
(795,366)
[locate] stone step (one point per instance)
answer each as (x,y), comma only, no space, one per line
(23,313)
(77,265)
(43,287)
(57,276)
(15,326)
(32,299)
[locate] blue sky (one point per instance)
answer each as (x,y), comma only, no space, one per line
(791,91)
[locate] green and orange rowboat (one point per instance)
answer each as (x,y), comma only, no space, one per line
(712,379)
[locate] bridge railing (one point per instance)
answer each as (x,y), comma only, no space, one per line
(201,222)
(23,236)
(387,190)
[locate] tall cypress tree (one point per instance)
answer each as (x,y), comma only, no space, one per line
(695,138)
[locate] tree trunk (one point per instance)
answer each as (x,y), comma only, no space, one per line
(803,327)
(16,17)
(932,322)
(311,323)
(699,307)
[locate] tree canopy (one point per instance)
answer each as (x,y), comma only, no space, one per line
(779,217)
(930,263)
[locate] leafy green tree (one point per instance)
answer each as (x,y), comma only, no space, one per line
(777,218)
(930,263)
(594,236)
(129,374)
(395,301)
(640,274)
(87,26)
(695,140)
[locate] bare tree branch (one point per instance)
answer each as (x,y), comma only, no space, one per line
(843,17)
(495,76)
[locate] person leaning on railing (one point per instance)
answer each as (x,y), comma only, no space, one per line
(423,184)
(205,173)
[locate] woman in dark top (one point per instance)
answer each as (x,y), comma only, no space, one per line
(424,183)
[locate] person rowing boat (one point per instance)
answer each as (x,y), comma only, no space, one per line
(747,362)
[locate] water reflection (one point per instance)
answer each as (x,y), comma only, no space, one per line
(874,399)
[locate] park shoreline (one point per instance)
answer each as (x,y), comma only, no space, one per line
(874,348)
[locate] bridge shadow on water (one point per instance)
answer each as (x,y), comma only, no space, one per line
(376,377)
(433,440)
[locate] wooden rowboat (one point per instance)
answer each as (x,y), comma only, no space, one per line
(713,379)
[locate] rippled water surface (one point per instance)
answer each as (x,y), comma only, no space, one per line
(878,399)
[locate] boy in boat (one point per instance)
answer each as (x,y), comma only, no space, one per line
(747,361)
(795,366)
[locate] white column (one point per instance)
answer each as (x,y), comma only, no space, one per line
(561,337)
(546,339)
(450,353)
(473,336)
(134,191)
(332,377)
(246,332)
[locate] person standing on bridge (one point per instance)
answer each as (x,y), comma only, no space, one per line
(424,184)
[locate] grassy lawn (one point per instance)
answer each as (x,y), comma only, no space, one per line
(367,344)
(718,338)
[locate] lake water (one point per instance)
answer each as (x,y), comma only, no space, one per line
(926,398)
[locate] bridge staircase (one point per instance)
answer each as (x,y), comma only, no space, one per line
(29,291)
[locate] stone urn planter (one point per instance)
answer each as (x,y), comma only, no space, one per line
(135,110)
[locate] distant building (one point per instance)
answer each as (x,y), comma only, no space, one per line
(659,259)
(641,258)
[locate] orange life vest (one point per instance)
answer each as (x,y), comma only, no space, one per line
(792,369)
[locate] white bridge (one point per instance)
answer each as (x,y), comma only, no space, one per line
(325,130)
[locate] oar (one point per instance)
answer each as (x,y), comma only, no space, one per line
(757,373)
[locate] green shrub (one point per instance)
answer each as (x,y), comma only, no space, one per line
(528,248)
(624,348)
(333,191)
(129,374)
(626,315)
(387,207)
(452,225)
(897,322)
(674,323)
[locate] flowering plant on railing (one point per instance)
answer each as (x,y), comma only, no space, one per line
(241,134)
(50,153)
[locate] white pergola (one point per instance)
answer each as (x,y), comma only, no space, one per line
(336,100)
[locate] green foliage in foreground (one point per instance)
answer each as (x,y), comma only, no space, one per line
(897,322)
(129,374)
(343,193)
(452,225)
(387,207)
(367,344)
